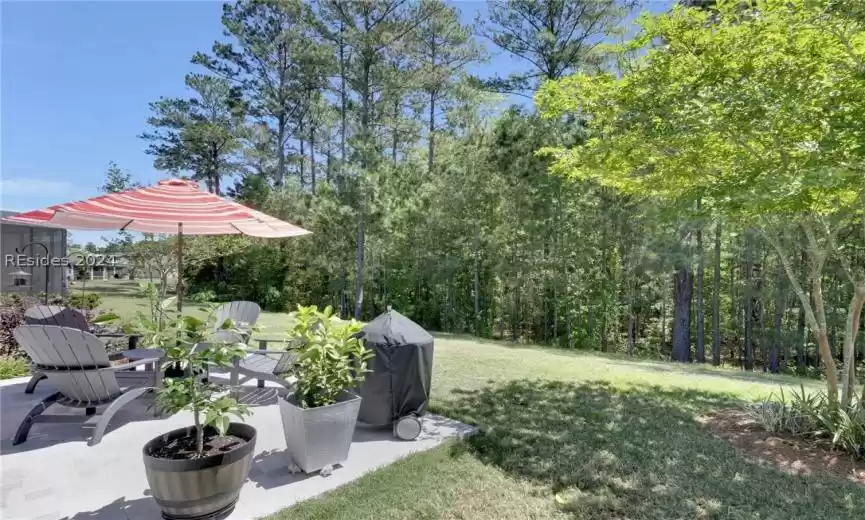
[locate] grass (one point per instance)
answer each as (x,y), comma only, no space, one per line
(576,435)
(119,296)
(581,435)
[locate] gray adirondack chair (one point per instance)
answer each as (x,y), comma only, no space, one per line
(244,314)
(263,365)
(62,317)
(76,364)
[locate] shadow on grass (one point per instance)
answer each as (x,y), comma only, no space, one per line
(636,453)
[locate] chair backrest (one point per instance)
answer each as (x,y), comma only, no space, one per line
(238,311)
(55,315)
(286,362)
(70,358)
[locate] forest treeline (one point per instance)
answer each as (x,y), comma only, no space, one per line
(365,123)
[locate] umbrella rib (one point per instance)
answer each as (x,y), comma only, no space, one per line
(127,225)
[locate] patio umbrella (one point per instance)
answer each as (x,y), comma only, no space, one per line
(171,206)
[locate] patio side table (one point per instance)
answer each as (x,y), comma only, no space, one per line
(138,354)
(262,345)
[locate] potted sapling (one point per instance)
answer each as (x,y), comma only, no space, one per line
(196,472)
(319,416)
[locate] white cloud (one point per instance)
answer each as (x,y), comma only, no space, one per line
(30,187)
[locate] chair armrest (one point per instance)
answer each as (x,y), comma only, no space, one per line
(252,350)
(145,361)
(110,334)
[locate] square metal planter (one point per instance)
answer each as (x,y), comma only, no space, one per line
(319,437)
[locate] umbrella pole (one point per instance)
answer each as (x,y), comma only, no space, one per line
(179,267)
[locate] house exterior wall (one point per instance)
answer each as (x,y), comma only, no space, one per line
(12,237)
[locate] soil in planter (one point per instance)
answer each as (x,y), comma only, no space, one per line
(184,447)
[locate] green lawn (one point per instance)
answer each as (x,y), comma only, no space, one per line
(119,296)
(579,435)
(575,435)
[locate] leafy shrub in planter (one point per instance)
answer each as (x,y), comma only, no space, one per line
(85,301)
(332,357)
(190,345)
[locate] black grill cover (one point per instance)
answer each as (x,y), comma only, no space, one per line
(401,371)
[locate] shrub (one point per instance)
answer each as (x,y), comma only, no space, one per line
(331,357)
(146,290)
(275,300)
(11,316)
(13,367)
(205,296)
(85,301)
(816,416)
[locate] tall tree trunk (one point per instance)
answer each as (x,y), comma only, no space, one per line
(312,129)
(780,300)
(663,345)
(815,315)
(631,330)
(567,315)
(735,353)
(851,330)
(328,161)
(395,132)
(280,149)
(432,127)
(683,283)
(477,283)
(701,345)
(716,299)
(801,335)
(748,311)
(302,141)
(343,106)
(366,135)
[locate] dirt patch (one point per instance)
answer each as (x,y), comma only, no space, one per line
(792,454)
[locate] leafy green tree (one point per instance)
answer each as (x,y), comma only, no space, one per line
(556,37)
(262,61)
(443,47)
(117,180)
(765,118)
(200,134)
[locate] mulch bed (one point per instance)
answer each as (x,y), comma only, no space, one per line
(792,454)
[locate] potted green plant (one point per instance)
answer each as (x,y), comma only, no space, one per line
(319,416)
(197,471)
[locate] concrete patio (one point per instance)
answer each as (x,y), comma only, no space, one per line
(55,475)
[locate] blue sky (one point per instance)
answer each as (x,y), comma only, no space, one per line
(76,80)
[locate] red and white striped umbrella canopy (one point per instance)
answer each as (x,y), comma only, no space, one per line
(162,208)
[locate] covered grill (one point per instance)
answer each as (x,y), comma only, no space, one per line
(396,391)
